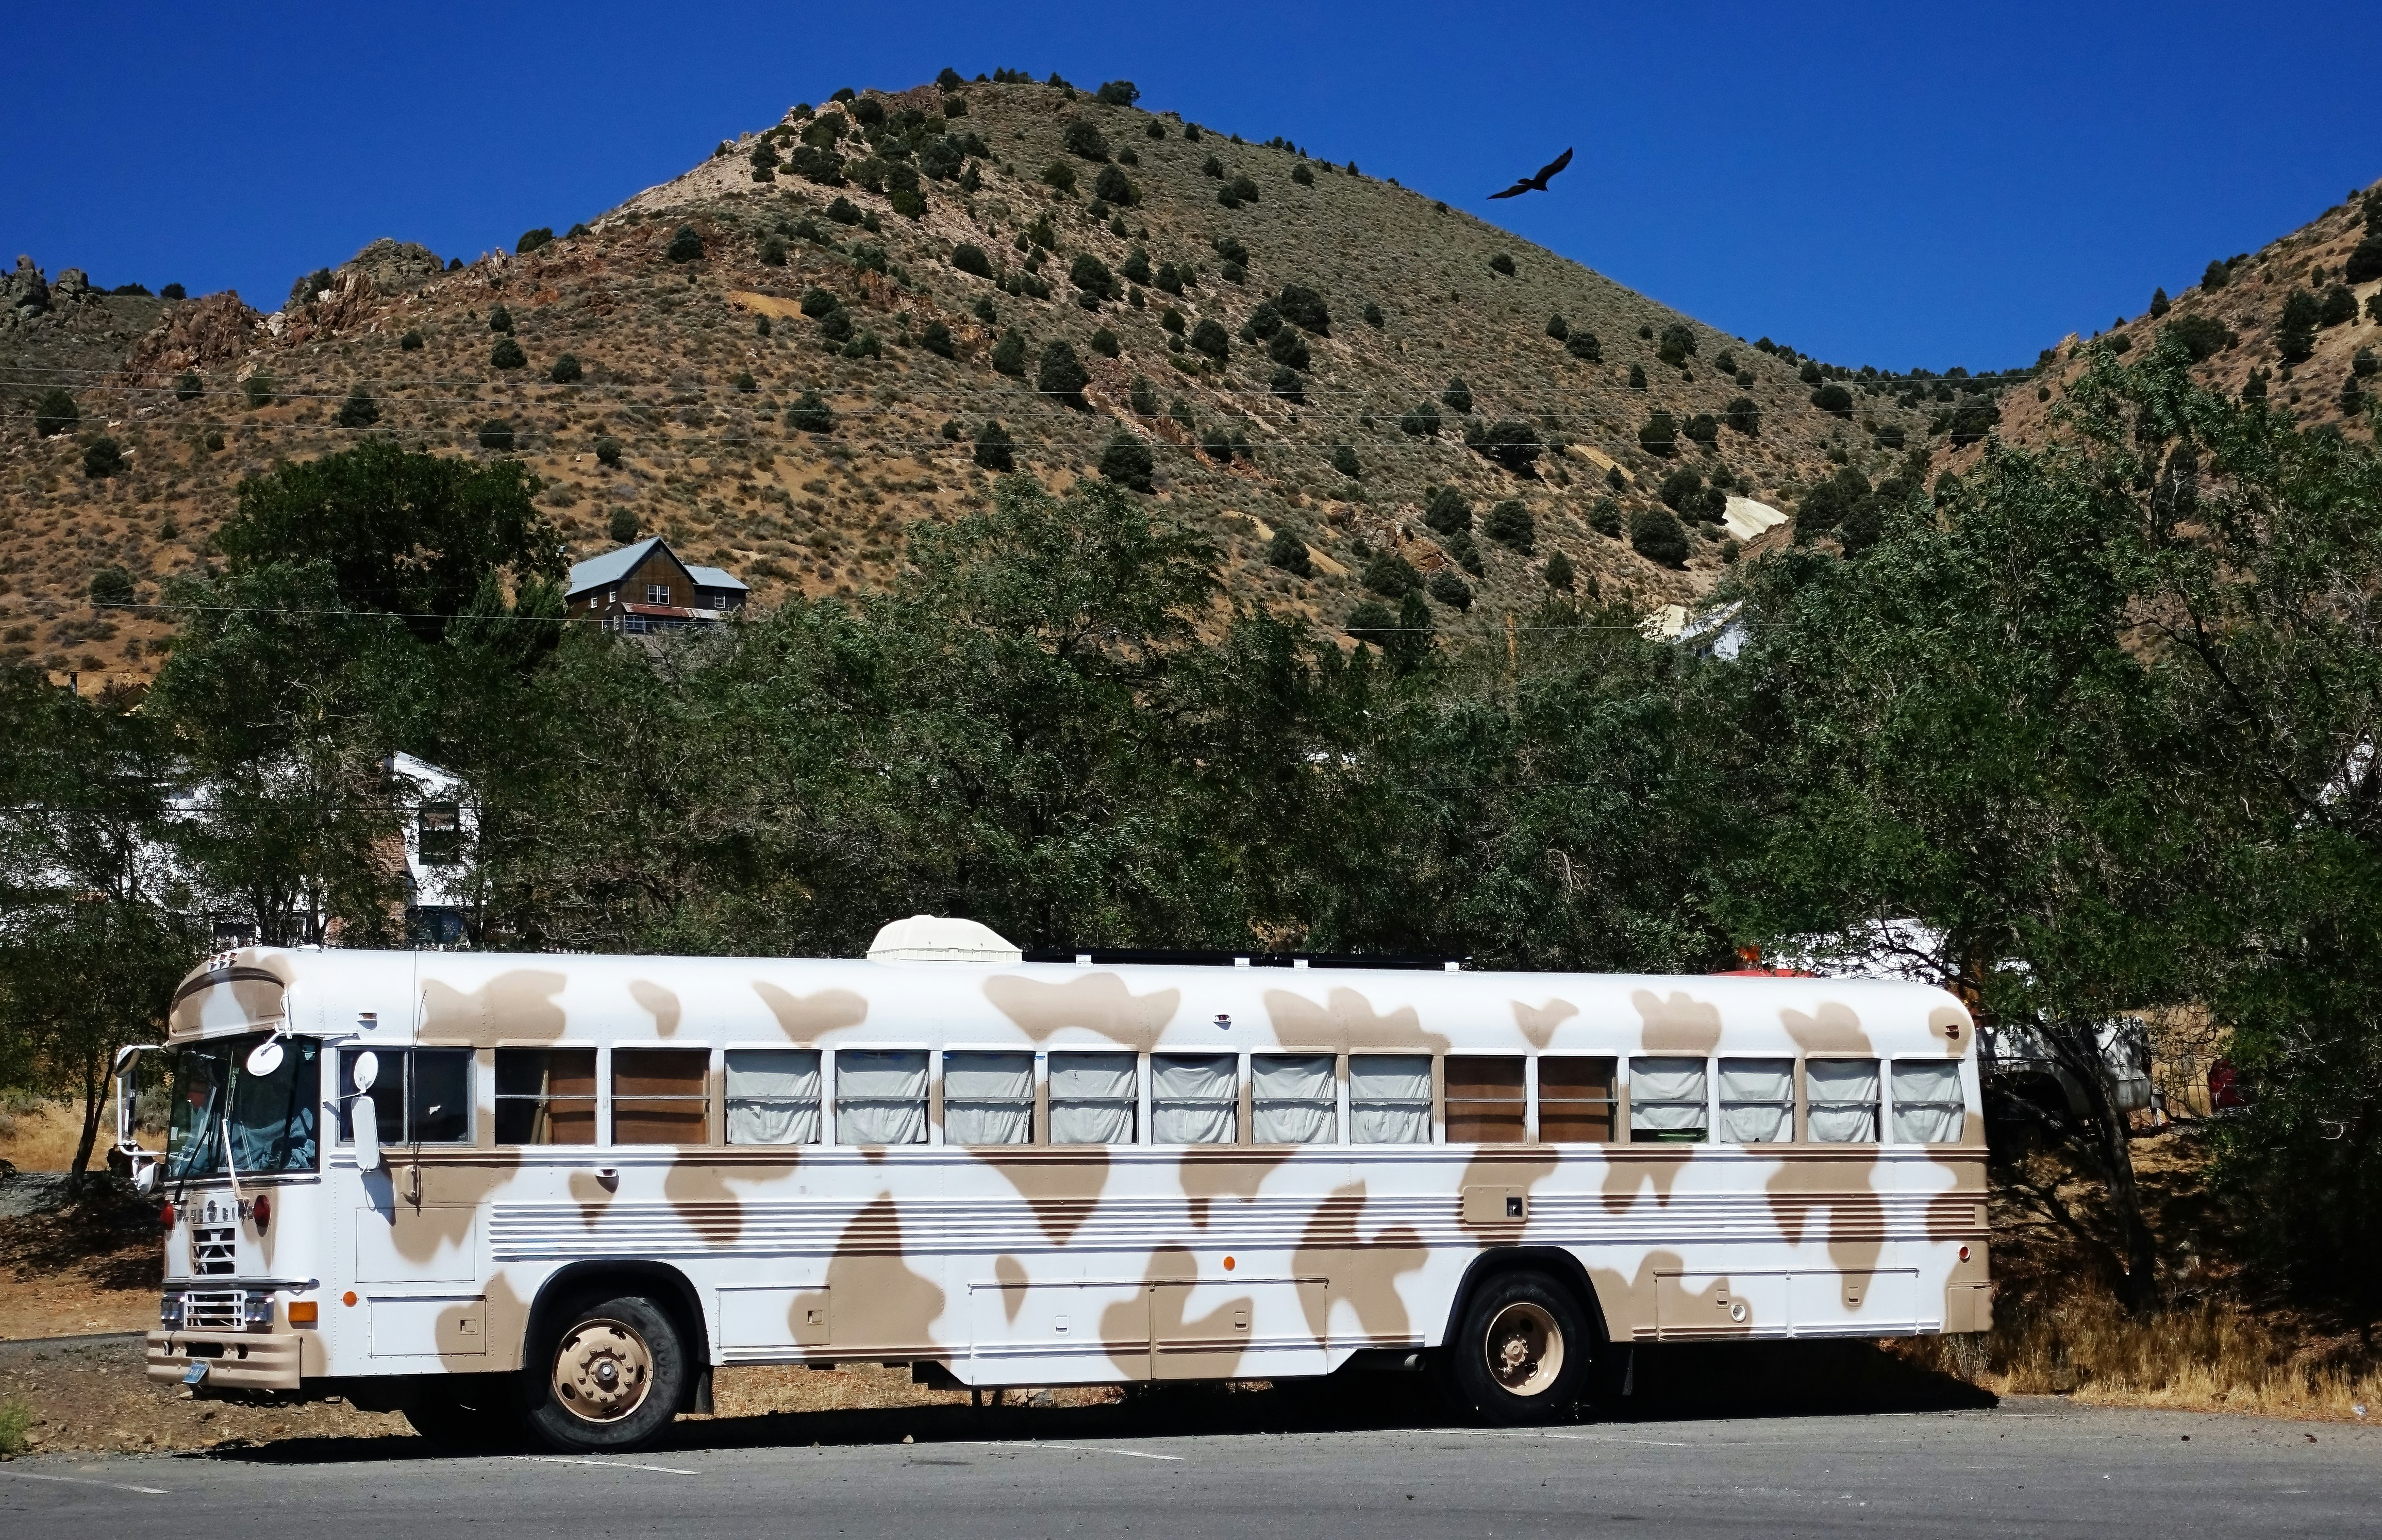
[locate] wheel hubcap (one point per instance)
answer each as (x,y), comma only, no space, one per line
(602,1370)
(1525,1349)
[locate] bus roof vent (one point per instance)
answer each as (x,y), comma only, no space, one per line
(934,938)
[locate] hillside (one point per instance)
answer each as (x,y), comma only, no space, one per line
(690,367)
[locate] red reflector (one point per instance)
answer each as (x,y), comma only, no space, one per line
(263,1210)
(166,1216)
(1964,1253)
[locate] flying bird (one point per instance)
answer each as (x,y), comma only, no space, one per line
(1539,182)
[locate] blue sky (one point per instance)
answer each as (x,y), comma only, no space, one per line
(1897,185)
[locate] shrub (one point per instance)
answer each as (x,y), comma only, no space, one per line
(968,257)
(2255,388)
(1211,167)
(1511,525)
(1090,274)
(936,338)
(1373,317)
(1445,510)
(867,111)
(773,251)
(1422,423)
(869,258)
(2364,364)
(2339,306)
(188,388)
(1457,395)
(1512,443)
(2364,261)
(2216,274)
(358,410)
(1742,415)
(864,345)
(1827,505)
(566,370)
(1243,189)
(1009,353)
(810,414)
(1113,186)
(608,452)
(687,246)
(1557,328)
(1657,534)
(820,302)
(1703,428)
(55,414)
(173,291)
(1391,575)
(1973,421)
(948,78)
(743,383)
(1584,347)
(1127,461)
(1141,397)
(1371,621)
(1809,374)
(102,457)
(1344,459)
(835,325)
(1289,347)
(500,320)
(496,433)
(984,311)
(1637,376)
(1083,137)
(532,239)
(1681,490)
(1302,175)
(1304,309)
(2204,336)
(1172,320)
(1135,266)
(1451,589)
(2352,395)
(1208,338)
(1660,436)
(1231,272)
(1289,384)
(1558,573)
(1288,552)
(411,342)
(993,450)
(111,585)
(1104,343)
(1615,479)
(621,528)
(1061,375)
(214,441)
(1059,174)
(507,354)
(1501,262)
(261,390)
(1119,94)
(844,210)
(1263,322)
(1678,344)
(2160,304)
(1833,399)
(1605,518)
(2295,333)
(1155,127)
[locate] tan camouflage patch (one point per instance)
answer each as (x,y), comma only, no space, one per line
(518,1005)
(1539,1022)
(874,1302)
(1676,1023)
(1348,1023)
(807,1018)
(1362,1271)
(1102,1003)
(661,1003)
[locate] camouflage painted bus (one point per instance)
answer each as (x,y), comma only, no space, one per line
(485,1189)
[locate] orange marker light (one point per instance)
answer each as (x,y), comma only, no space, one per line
(348,1298)
(1228,1264)
(302,1312)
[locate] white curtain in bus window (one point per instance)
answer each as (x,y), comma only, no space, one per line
(1927,1103)
(1092,1098)
(880,1096)
(988,1098)
(545,1095)
(1667,1101)
(1293,1099)
(1194,1099)
(773,1096)
(1842,1098)
(1757,1101)
(1389,1098)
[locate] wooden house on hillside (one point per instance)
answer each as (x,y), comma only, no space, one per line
(644,588)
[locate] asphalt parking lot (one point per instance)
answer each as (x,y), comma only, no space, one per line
(2032,1466)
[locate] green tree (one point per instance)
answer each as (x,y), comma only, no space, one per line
(1061,375)
(1457,395)
(686,245)
(1660,435)
(1209,338)
(102,457)
(1344,459)
(993,450)
(1287,552)
(1512,443)
(55,413)
(622,526)
(358,410)
(1451,589)
(810,414)
(507,354)
(1009,353)
(1510,524)
(1558,573)
(2295,330)
(1127,461)
(1657,534)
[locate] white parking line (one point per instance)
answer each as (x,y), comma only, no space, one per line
(606,1465)
(1075,1449)
(1606,1438)
(86,1480)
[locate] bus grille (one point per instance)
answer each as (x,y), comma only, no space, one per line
(218,1309)
(210,1251)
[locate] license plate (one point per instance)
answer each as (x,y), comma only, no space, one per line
(195,1375)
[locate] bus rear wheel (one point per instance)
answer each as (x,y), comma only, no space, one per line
(1520,1351)
(614,1379)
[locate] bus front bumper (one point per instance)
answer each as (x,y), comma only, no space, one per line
(233,1360)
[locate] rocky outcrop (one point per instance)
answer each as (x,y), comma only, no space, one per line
(396,267)
(216,330)
(25,289)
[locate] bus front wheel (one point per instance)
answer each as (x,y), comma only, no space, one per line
(614,1379)
(1520,1351)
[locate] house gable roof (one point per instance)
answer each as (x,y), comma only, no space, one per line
(613,566)
(715,577)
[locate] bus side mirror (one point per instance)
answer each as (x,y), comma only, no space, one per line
(365,1117)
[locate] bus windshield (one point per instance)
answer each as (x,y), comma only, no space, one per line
(271,1116)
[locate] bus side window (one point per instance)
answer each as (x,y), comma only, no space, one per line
(1574,1100)
(1841,1094)
(1757,1101)
(388,1096)
(773,1096)
(1389,1098)
(1928,1108)
(545,1095)
(1293,1099)
(1194,1099)
(1093,1098)
(988,1098)
(1486,1103)
(1667,1101)
(880,1096)
(661,1096)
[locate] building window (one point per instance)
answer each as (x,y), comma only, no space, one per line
(988,1098)
(657,593)
(1928,1108)
(773,1096)
(1389,1098)
(545,1095)
(422,1095)
(1093,1098)
(438,834)
(635,625)
(1757,1101)
(1667,1100)
(880,1096)
(1485,1102)
(720,601)
(1574,1101)
(1842,1096)
(1293,1099)
(1194,1099)
(661,1096)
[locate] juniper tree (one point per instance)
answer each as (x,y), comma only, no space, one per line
(993,450)
(358,410)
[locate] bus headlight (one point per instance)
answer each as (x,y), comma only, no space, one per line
(170,1311)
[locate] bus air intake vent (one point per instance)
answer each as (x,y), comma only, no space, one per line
(210,1251)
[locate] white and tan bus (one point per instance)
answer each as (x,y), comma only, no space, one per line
(485,1188)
